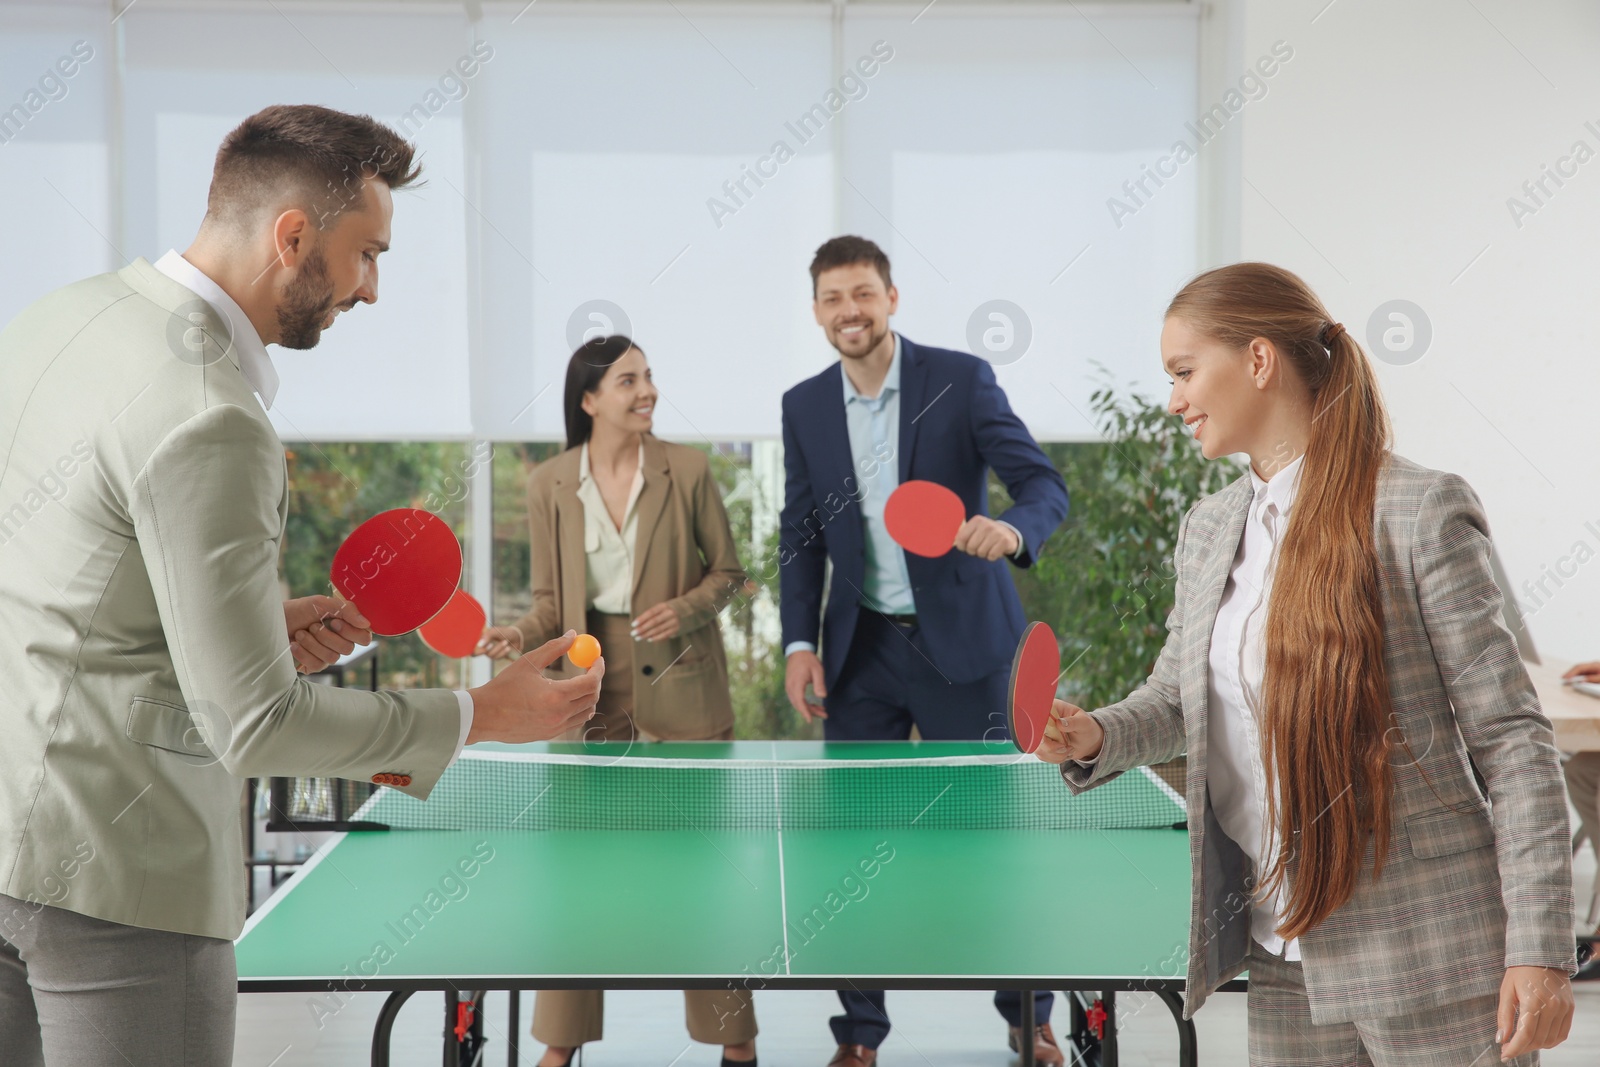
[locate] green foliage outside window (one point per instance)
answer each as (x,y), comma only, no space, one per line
(755,650)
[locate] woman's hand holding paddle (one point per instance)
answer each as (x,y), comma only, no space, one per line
(500,642)
(1071,733)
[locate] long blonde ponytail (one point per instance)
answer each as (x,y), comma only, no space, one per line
(1326,704)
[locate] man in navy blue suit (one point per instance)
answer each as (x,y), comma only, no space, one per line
(905,640)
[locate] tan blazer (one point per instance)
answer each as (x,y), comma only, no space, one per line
(1471,884)
(684,555)
(147,669)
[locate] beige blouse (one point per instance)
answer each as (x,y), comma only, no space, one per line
(609,551)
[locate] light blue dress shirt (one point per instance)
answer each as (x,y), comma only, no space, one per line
(874,426)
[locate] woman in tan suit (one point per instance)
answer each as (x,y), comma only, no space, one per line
(631,543)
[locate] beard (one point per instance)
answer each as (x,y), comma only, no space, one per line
(306,303)
(874,339)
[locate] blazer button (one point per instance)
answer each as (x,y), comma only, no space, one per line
(649,669)
(402,780)
(380,779)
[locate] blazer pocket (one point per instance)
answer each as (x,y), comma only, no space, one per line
(167,726)
(1444,833)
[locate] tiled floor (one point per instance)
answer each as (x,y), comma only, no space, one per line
(645,1029)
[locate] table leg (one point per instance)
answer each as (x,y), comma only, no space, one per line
(452,1047)
(477,1044)
(1025,1039)
(1188,1046)
(516,1027)
(1108,1044)
(383,1029)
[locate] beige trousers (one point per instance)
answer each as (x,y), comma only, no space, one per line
(1582,771)
(567,1018)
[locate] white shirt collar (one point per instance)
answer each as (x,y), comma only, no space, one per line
(254,363)
(890,380)
(1282,487)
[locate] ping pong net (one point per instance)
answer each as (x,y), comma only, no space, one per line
(507,790)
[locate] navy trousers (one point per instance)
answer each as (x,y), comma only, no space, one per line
(890,683)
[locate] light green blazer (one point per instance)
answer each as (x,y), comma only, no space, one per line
(144,665)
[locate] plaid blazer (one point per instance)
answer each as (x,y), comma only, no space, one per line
(1471,884)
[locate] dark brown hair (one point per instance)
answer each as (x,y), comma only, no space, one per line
(1325,694)
(847,251)
(585,370)
(318,155)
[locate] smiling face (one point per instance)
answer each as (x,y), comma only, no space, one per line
(336,269)
(852,305)
(625,399)
(1214,388)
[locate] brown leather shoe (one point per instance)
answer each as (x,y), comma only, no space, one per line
(1045,1050)
(860,1056)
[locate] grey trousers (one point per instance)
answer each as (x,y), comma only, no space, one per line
(1283,1035)
(82,992)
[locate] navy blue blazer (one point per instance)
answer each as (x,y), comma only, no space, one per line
(955,423)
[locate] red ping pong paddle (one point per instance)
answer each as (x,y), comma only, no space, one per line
(399,568)
(458,627)
(924,517)
(1034,673)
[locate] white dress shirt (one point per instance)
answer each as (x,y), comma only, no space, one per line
(1236,775)
(608,551)
(259,373)
(254,363)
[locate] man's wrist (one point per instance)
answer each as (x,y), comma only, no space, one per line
(798,646)
(1021,544)
(485,714)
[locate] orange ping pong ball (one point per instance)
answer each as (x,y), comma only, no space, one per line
(584,651)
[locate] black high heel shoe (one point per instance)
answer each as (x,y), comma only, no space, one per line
(574,1058)
(751,1062)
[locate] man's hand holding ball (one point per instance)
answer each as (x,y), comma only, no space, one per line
(1071,733)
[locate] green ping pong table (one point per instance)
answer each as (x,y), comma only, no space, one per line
(761,865)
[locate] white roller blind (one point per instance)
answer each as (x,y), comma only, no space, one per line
(984,163)
(669,170)
(606,139)
(397,369)
(54,63)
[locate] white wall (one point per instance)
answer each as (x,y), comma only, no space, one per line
(1379,167)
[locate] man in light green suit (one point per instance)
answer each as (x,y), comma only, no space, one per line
(149,661)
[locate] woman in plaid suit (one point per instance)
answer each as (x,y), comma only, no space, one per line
(1335,670)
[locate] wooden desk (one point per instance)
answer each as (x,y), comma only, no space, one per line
(1575,715)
